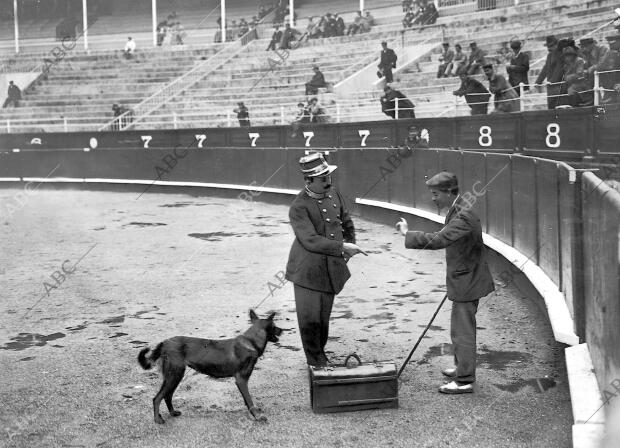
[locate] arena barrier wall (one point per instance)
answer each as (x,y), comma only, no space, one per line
(572,135)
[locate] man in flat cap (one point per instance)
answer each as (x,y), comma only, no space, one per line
(518,67)
(552,71)
(317,81)
(387,62)
(611,81)
(317,264)
(467,278)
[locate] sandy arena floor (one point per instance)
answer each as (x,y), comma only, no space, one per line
(170,264)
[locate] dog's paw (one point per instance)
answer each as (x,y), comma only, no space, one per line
(261,419)
(175,413)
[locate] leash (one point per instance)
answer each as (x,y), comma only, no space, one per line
(421,336)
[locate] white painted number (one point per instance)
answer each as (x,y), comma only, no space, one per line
(424,135)
(200,138)
(364,133)
(146,139)
(253,136)
(553,135)
(485,138)
(308,136)
(93,142)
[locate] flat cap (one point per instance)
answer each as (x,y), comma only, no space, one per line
(586,41)
(443,181)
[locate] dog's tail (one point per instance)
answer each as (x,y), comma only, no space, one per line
(147,361)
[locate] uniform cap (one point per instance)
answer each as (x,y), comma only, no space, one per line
(443,181)
(315,165)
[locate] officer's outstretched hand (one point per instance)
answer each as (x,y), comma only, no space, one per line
(351,249)
(402,226)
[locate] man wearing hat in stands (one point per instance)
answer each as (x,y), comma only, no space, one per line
(506,99)
(611,81)
(476,59)
(445,61)
(317,81)
(595,57)
(387,63)
(467,278)
(476,95)
(518,67)
(395,104)
(243,115)
(576,79)
(553,72)
(317,264)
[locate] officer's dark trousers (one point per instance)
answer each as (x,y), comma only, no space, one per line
(463,334)
(313,311)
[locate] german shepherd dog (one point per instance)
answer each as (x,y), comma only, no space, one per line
(222,358)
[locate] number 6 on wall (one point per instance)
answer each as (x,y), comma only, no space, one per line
(553,133)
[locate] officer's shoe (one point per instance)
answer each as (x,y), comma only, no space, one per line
(455,388)
(450,373)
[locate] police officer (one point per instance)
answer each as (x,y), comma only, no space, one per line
(317,264)
(468,277)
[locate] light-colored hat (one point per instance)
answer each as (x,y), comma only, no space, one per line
(315,165)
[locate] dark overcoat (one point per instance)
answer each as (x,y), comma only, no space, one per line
(467,272)
(316,260)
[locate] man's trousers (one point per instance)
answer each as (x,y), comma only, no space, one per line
(313,311)
(463,334)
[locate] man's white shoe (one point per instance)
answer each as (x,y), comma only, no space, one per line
(454,388)
(450,373)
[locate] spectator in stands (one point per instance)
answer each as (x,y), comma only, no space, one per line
(414,139)
(407,5)
(276,37)
(288,36)
(340,27)
(179,33)
(243,115)
(317,113)
(459,60)
(125,117)
(476,95)
(303,116)
(504,54)
(254,22)
(368,22)
(409,18)
(13,95)
(611,81)
(130,48)
(330,26)
(595,57)
(552,71)
(387,63)
(262,12)
(161,31)
(475,60)
(355,27)
(506,99)
(575,79)
(519,67)
(396,105)
(429,15)
(445,61)
(317,81)
(243,28)
(167,35)
(314,28)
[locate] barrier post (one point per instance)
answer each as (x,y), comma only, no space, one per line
(337,113)
(64,120)
(174,119)
(521,96)
(228,119)
(8,126)
(396,108)
(281,114)
(597,89)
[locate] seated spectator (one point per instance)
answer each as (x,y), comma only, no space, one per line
(409,18)
(369,21)
(124,120)
(313,29)
(340,27)
(476,95)
(167,35)
(396,105)
(445,61)
(430,14)
(161,31)
(254,22)
(244,28)
(243,115)
(330,26)
(13,95)
(407,4)
(317,113)
(288,36)
(262,12)
(459,60)
(576,79)
(130,48)
(504,54)
(179,33)
(303,116)
(317,81)
(354,28)
(506,99)
(414,139)
(518,67)
(475,60)
(276,37)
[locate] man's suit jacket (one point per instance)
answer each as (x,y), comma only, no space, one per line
(388,58)
(467,273)
(316,259)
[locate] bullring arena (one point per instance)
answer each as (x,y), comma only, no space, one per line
(172,218)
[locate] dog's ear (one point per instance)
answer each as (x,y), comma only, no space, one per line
(253,316)
(271,316)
